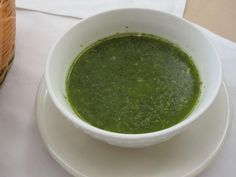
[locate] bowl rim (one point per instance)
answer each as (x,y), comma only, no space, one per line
(108,134)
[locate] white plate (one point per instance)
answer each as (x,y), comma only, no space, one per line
(185,155)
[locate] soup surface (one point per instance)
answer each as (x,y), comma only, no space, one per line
(133,83)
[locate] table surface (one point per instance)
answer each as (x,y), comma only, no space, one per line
(216,15)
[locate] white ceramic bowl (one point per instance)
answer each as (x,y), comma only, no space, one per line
(175,29)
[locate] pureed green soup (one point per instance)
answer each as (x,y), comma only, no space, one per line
(133,83)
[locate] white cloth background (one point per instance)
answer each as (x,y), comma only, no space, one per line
(22,152)
(84,8)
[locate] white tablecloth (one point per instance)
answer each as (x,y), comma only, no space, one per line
(22,152)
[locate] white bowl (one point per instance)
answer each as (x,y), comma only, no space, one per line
(165,25)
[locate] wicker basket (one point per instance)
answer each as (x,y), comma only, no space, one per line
(7,36)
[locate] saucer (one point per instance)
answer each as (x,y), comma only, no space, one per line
(187,154)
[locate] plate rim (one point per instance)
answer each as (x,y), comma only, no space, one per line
(72,171)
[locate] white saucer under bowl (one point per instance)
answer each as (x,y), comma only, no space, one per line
(185,155)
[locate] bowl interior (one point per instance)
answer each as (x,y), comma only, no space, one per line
(157,23)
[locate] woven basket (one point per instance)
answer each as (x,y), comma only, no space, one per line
(7,36)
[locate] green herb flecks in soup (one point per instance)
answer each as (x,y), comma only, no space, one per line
(133,83)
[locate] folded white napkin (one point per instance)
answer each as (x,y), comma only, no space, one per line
(20,143)
(84,8)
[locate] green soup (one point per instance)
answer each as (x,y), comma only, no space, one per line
(133,83)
